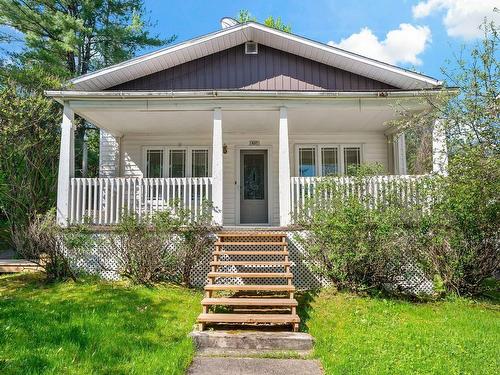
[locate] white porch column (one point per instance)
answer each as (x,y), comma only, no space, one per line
(217,170)
(439,148)
(284,169)
(66,165)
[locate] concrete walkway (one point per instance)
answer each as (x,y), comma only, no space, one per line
(253,366)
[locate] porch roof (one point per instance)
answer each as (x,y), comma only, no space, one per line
(256,111)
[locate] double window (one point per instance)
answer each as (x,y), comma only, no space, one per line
(176,162)
(327,160)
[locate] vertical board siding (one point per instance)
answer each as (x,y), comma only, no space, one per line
(270,69)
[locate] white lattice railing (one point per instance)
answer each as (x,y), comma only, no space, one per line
(103,201)
(408,190)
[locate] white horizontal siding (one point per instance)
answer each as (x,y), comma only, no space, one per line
(109,149)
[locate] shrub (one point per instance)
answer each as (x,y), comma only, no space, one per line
(42,245)
(196,241)
(164,247)
(450,237)
(355,241)
(461,242)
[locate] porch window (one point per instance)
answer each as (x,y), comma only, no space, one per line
(199,163)
(307,162)
(329,161)
(177,164)
(154,163)
(352,159)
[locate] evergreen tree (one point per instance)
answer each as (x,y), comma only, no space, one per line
(68,38)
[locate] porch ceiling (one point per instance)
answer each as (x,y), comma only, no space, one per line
(135,117)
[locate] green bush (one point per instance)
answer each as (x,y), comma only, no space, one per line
(164,247)
(460,237)
(450,237)
(356,242)
(44,245)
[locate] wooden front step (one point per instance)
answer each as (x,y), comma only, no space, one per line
(250,243)
(276,275)
(270,288)
(250,235)
(250,252)
(289,302)
(249,263)
(267,297)
(249,318)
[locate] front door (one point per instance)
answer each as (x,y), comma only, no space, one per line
(253,187)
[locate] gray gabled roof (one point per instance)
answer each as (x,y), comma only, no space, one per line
(241,33)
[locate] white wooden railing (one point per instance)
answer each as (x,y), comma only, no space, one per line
(374,190)
(103,201)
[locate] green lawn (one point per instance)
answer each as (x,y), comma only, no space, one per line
(356,335)
(113,328)
(94,327)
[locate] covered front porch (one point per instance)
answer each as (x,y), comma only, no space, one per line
(252,157)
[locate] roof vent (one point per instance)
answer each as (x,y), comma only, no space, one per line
(251,48)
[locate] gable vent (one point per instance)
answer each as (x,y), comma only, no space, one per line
(251,48)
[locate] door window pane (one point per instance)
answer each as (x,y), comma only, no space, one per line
(200,163)
(154,163)
(307,162)
(253,176)
(329,161)
(177,163)
(352,159)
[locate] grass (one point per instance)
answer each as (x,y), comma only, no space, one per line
(362,335)
(114,328)
(94,327)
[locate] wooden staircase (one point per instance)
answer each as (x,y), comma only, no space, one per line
(251,303)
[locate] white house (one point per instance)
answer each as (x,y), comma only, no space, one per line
(249,118)
(235,116)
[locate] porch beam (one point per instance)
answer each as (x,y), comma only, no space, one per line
(439,148)
(217,164)
(284,169)
(66,165)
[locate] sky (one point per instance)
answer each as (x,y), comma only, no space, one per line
(419,34)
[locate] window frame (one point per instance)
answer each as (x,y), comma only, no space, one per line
(318,148)
(166,159)
(316,165)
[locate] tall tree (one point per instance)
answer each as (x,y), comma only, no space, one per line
(72,37)
(276,23)
(61,39)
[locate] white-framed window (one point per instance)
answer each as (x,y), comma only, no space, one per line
(173,161)
(199,163)
(154,162)
(177,162)
(327,159)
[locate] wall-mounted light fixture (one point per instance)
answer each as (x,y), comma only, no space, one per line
(224,149)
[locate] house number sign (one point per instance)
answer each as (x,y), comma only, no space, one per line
(254,143)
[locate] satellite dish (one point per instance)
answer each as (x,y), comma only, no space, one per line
(228,22)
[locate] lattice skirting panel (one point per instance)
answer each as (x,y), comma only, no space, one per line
(99,260)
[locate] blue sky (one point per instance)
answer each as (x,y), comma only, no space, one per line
(431,31)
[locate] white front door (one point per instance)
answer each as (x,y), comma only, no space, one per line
(253,187)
